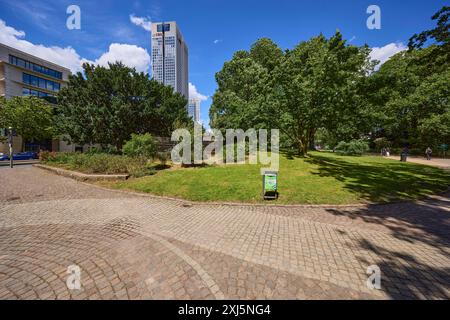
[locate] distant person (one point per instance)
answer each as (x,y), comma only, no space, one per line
(404,154)
(428,153)
(388,152)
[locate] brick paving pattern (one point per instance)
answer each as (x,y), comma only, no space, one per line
(133,247)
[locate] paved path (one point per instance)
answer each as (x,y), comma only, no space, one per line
(435,162)
(136,247)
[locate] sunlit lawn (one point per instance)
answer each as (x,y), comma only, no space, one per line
(323,178)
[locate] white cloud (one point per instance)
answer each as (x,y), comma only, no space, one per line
(131,55)
(66,57)
(383,54)
(143,22)
(194,94)
(217,41)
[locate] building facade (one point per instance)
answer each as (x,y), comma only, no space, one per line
(194,109)
(22,74)
(170,57)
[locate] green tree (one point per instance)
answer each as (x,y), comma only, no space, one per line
(243,86)
(439,36)
(317,86)
(105,105)
(313,86)
(409,94)
(31,117)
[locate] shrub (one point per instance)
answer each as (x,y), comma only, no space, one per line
(381,143)
(99,163)
(46,155)
(140,145)
(163,157)
(354,147)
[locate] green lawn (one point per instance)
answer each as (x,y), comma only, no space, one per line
(323,178)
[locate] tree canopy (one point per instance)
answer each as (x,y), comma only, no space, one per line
(299,91)
(30,117)
(105,105)
(412,90)
(327,89)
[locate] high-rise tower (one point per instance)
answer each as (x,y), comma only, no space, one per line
(170,57)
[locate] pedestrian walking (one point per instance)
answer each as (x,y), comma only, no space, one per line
(428,153)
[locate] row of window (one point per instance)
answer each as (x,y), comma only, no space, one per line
(163,27)
(37,93)
(40,82)
(35,67)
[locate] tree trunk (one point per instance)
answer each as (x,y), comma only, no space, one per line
(302,146)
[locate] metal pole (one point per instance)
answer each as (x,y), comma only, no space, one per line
(10,142)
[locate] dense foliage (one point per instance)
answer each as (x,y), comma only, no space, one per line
(326,91)
(352,148)
(140,145)
(106,105)
(98,163)
(411,91)
(30,117)
(314,85)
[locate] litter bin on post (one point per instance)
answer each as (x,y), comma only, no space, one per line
(270,185)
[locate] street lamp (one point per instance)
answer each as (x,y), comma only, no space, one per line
(10,142)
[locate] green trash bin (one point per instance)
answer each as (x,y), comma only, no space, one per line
(270,185)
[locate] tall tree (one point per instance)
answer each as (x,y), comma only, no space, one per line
(105,105)
(316,86)
(242,86)
(410,91)
(31,117)
(440,36)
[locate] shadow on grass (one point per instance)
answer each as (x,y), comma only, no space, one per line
(382,181)
(160,167)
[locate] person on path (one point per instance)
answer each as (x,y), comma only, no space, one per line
(428,153)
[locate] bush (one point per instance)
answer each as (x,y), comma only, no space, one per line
(354,147)
(140,145)
(46,155)
(163,157)
(381,143)
(100,163)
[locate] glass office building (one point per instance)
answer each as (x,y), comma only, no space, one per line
(194,109)
(23,74)
(170,57)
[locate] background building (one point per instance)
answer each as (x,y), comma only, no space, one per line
(170,57)
(22,74)
(194,109)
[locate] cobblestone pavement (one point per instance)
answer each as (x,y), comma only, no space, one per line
(137,247)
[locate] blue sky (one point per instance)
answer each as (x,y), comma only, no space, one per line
(213,29)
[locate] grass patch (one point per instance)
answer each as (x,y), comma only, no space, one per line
(323,178)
